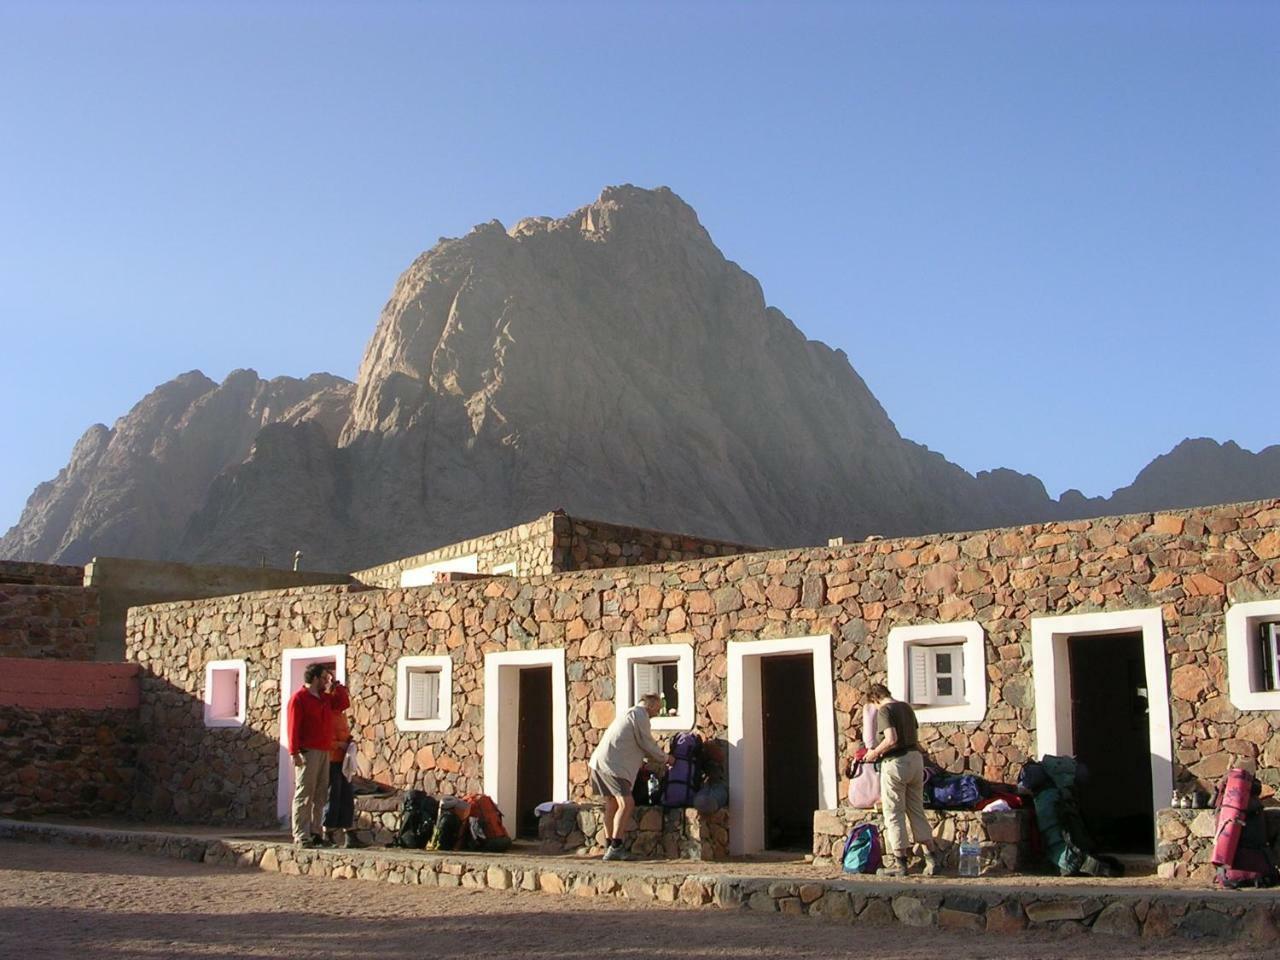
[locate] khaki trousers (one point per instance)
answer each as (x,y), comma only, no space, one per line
(310,790)
(902,800)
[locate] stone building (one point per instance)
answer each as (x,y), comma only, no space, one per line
(1133,642)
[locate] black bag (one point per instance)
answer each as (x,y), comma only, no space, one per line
(417,820)
(448,831)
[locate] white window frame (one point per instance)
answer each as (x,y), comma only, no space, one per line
(922,683)
(425,575)
(507,569)
(970,637)
(224,666)
(1243,620)
(444,713)
(624,692)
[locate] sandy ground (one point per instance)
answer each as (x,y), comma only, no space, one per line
(60,901)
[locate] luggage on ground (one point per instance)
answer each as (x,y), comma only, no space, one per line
(862,851)
(953,792)
(1067,842)
(711,797)
(417,820)
(451,825)
(685,776)
(1240,850)
(487,831)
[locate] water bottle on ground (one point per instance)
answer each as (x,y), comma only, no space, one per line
(970,857)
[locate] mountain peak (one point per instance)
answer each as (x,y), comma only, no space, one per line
(610,361)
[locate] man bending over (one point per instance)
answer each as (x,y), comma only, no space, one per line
(616,761)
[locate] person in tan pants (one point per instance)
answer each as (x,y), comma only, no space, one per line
(901,783)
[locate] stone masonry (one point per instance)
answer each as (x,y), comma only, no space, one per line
(68,738)
(670,834)
(557,543)
(978,905)
(1189,563)
(41,574)
(1004,837)
(40,620)
(1185,838)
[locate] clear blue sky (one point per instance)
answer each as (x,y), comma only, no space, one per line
(1045,233)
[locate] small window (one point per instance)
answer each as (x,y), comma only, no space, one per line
(1268,656)
(662,668)
(941,669)
(1253,655)
(224,693)
(424,699)
(424,693)
(661,677)
(937,674)
(504,569)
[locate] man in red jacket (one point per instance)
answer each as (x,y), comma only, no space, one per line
(310,737)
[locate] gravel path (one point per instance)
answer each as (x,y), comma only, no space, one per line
(60,901)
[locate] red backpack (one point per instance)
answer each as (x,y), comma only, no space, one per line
(487,831)
(1240,848)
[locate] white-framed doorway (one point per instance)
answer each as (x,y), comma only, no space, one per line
(1051,667)
(293,664)
(746,733)
(501,749)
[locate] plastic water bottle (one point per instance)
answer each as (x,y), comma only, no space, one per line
(655,788)
(970,858)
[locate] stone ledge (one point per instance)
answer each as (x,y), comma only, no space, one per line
(993,908)
(1185,837)
(1004,835)
(677,833)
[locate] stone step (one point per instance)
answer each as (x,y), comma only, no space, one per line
(975,905)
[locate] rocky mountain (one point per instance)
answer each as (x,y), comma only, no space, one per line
(611,362)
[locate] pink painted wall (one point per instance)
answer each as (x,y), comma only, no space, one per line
(68,685)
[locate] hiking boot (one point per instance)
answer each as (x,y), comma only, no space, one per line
(307,843)
(351,842)
(895,867)
(614,853)
(932,865)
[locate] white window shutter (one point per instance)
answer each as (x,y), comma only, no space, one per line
(424,694)
(919,689)
(647,678)
(433,695)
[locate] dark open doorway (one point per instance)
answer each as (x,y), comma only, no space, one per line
(1112,735)
(790,739)
(535,748)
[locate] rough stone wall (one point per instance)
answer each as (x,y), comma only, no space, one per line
(529,545)
(41,574)
(1190,564)
(1185,840)
(592,544)
(558,543)
(48,621)
(68,738)
(1003,837)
